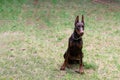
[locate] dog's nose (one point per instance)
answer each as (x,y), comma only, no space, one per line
(81,31)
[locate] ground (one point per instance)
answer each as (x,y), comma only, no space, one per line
(34,37)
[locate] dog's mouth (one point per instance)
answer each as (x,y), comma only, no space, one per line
(80,33)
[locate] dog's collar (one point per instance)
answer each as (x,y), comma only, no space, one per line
(77,38)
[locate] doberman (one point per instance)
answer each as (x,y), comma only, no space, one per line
(74,51)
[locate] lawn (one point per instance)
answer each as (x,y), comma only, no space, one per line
(34,37)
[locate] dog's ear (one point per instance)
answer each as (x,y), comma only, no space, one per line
(76,20)
(82,19)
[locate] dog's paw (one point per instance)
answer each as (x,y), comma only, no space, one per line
(62,68)
(80,71)
(68,66)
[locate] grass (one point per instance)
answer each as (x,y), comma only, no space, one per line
(33,39)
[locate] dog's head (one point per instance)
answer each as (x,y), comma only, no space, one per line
(79,25)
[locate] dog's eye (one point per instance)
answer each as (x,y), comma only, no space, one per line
(77,28)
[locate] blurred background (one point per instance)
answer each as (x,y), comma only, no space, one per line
(34,36)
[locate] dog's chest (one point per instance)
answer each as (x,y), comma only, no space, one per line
(76,44)
(75,48)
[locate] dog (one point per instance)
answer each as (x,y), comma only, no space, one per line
(74,52)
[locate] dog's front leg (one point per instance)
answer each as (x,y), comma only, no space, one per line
(65,63)
(81,69)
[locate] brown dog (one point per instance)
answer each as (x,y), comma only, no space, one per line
(74,51)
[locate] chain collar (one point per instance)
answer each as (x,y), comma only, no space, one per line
(77,38)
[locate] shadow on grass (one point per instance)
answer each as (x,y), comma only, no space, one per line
(87,65)
(90,65)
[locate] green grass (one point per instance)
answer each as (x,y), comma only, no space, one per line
(33,39)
